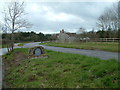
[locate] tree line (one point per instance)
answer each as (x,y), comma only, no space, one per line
(27,37)
(98,34)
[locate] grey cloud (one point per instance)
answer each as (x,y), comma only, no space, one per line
(88,11)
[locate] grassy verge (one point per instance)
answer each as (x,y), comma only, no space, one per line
(21,44)
(3,46)
(60,70)
(106,46)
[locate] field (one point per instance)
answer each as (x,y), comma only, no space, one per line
(21,44)
(3,46)
(60,70)
(106,46)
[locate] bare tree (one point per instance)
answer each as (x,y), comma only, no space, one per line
(81,34)
(119,16)
(13,17)
(109,19)
(101,22)
(81,30)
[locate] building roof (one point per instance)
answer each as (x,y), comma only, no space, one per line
(68,33)
(71,34)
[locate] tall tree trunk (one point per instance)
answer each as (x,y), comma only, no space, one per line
(12,38)
(8,48)
(12,44)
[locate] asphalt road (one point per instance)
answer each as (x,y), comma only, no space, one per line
(94,53)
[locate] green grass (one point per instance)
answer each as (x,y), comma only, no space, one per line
(106,46)
(21,44)
(61,70)
(3,46)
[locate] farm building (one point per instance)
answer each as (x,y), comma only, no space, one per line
(66,37)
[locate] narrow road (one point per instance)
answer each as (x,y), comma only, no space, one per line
(100,54)
(94,53)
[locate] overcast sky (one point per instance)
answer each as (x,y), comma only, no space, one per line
(51,17)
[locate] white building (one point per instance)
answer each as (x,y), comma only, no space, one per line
(66,37)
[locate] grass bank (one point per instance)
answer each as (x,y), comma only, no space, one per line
(3,46)
(106,46)
(60,70)
(21,44)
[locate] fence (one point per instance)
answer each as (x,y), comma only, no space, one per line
(105,40)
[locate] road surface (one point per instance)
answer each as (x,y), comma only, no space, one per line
(94,53)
